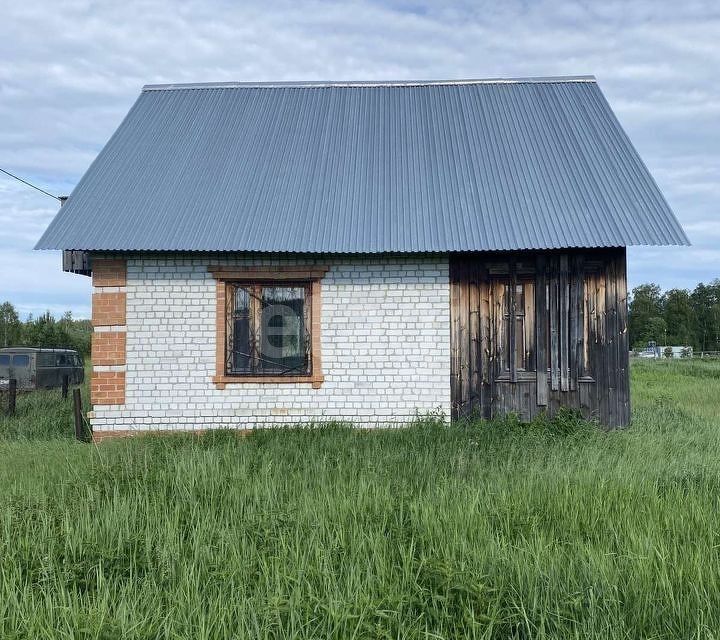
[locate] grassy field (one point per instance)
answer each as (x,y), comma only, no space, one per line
(549,530)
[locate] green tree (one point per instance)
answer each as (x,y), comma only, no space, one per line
(646,320)
(42,331)
(10,325)
(76,333)
(679,317)
(705,301)
(656,330)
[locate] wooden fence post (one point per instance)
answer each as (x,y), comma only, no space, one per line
(77,412)
(65,380)
(12,394)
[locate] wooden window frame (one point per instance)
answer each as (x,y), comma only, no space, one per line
(507,276)
(269,276)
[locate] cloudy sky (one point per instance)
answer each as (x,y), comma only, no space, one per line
(70,70)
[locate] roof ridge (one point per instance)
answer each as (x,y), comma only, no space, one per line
(312,84)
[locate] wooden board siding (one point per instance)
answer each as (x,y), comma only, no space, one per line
(573,346)
(76,262)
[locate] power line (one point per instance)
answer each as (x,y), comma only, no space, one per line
(12,175)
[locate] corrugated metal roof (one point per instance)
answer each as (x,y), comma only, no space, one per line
(365,168)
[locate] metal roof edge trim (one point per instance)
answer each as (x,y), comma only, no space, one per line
(318,84)
(687,243)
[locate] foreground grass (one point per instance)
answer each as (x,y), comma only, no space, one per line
(553,530)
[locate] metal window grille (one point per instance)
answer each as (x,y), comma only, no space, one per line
(268,329)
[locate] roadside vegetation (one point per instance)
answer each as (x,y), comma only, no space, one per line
(676,317)
(483,530)
(44,330)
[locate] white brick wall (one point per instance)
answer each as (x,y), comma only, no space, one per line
(385,348)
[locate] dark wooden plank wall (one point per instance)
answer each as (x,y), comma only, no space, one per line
(77,262)
(576,318)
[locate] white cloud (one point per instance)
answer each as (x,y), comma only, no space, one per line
(35,282)
(70,71)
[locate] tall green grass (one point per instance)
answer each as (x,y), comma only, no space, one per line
(501,530)
(42,415)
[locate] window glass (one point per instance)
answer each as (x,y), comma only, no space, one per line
(66,360)
(267,330)
(45,360)
(21,360)
(241,344)
(282,330)
(5,360)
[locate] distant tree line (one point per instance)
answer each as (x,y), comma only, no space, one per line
(43,331)
(677,317)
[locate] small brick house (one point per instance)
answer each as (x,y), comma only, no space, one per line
(280,253)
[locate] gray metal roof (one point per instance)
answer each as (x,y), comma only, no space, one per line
(367,167)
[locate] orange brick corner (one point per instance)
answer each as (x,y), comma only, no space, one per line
(108,347)
(108,308)
(109,273)
(107,387)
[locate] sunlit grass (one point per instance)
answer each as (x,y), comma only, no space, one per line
(550,530)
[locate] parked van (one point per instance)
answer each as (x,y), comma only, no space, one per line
(40,368)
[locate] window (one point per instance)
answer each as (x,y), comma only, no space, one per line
(65,360)
(45,360)
(268,325)
(4,360)
(268,329)
(518,330)
(514,328)
(21,361)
